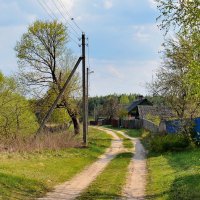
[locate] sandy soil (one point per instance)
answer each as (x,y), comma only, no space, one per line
(73,188)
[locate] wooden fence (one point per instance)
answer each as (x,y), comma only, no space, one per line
(131,124)
(140,123)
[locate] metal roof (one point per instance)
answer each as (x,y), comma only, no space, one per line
(135,104)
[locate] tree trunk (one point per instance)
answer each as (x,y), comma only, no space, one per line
(75,121)
(76,125)
(74,116)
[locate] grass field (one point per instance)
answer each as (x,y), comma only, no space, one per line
(26,176)
(109,184)
(174,176)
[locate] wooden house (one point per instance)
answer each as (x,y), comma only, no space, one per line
(133,112)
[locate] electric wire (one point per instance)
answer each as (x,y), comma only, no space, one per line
(54,17)
(48,8)
(69,15)
(44,8)
(65,18)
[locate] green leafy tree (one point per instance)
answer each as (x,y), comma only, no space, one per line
(44,62)
(124,100)
(178,78)
(182,15)
(16,116)
(173,84)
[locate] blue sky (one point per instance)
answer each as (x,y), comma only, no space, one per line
(124,39)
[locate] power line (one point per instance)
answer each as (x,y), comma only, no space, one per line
(74,41)
(44,8)
(70,17)
(64,17)
(54,17)
(48,8)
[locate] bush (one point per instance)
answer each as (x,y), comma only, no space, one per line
(168,143)
(47,141)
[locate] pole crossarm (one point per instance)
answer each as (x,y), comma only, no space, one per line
(46,118)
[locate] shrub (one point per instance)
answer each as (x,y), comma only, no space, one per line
(47,141)
(168,143)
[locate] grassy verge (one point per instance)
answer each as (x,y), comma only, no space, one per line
(109,184)
(173,175)
(29,175)
(130,132)
(127,143)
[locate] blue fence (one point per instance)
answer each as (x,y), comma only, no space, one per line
(174,126)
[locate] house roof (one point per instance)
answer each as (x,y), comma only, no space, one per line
(137,103)
(161,111)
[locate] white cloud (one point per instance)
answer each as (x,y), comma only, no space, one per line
(145,33)
(108,4)
(153,4)
(114,72)
(124,77)
(141,36)
(69,4)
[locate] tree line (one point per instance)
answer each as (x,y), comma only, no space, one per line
(115,105)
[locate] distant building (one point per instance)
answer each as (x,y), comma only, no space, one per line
(133,112)
(164,113)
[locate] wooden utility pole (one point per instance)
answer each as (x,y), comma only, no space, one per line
(58,97)
(88,75)
(85,125)
(87,96)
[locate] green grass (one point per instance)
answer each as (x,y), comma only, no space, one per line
(133,132)
(173,175)
(127,143)
(29,175)
(130,132)
(109,184)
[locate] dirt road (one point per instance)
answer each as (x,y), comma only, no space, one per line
(72,189)
(136,179)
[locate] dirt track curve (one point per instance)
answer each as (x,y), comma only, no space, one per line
(73,188)
(136,179)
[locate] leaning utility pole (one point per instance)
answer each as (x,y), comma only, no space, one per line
(85,95)
(85,125)
(47,116)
